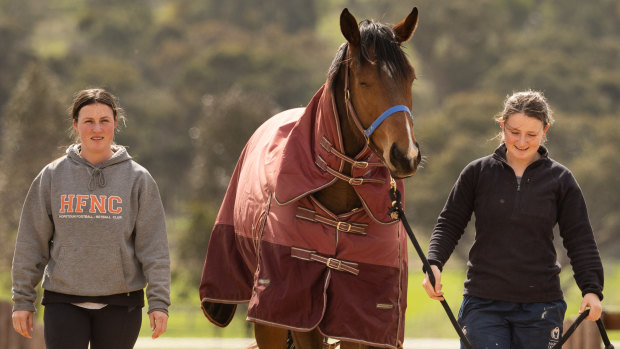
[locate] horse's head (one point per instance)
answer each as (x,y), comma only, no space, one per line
(378,81)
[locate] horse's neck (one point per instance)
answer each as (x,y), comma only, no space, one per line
(340,197)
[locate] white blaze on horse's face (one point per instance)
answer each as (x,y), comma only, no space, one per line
(394,139)
(400,152)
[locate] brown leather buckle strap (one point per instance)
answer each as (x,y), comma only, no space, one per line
(309,215)
(322,164)
(332,263)
(326,144)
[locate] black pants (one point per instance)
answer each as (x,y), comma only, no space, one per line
(67,326)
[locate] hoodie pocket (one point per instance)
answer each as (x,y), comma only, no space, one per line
(89,271)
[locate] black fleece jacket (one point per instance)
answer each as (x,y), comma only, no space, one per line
(513,258)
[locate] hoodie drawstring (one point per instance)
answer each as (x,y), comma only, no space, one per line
(96,178)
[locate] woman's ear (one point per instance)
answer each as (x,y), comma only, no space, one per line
(546,128)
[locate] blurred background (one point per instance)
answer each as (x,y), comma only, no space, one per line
(197,77)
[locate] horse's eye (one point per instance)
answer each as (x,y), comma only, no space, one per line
(364,84)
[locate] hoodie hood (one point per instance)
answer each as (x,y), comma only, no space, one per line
(97,177)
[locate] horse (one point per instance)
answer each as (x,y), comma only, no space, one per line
(304,234)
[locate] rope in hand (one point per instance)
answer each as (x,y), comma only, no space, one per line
(573,327)
(397,212)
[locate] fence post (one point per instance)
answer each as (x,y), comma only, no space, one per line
(611,319)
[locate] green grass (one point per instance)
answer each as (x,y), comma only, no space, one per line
(187,320)
(425,318)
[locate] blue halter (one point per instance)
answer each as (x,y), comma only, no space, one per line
(384,116)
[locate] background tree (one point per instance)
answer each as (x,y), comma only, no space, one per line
(34,132)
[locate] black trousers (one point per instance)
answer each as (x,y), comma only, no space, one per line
(67,326)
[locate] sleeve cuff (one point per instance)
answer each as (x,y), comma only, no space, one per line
(599,293)
(158,305)
(24,306)
(433,262)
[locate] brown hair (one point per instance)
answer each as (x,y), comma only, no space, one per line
(530,103)
(97,95)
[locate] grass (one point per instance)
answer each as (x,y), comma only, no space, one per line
(425,318)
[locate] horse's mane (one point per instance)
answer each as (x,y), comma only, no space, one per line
(387,50)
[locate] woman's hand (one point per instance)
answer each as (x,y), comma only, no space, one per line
(22,322)
(159,323)
(592,301)
(433,292)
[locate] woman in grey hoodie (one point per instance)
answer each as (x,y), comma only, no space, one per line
(93,228)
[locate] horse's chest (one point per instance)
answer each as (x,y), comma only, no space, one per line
(339,198)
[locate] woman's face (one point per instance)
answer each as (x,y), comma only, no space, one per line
(96,125)
(523,135)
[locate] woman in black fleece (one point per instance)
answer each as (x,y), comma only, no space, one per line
(512,296)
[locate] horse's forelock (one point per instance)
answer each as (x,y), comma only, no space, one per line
(379,39)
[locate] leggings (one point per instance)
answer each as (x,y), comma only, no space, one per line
(67,326)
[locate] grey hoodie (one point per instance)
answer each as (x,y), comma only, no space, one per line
(92,231)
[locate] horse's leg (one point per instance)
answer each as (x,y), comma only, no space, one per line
(268,337)
(307,340)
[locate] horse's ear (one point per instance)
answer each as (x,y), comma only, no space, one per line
(404,30)
(349,28)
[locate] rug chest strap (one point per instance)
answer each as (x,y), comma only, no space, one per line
(327,145)
(322,164)
(312,216)
(333,263)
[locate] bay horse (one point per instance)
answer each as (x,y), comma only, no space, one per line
(304,234)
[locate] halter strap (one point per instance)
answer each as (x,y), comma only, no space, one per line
(384,116)
(326,144)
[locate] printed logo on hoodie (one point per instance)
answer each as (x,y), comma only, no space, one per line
(82,206)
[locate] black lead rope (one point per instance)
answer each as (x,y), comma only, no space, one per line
(573,327)
(397,212)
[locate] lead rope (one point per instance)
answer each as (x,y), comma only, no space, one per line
(396,212)
(573,327)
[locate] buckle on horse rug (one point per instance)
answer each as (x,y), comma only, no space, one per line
(332,263)
(356,181)
(343,226)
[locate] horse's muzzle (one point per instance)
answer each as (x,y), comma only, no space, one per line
(403,165)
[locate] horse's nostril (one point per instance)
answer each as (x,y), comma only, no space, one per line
(397,157)
(401,161)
